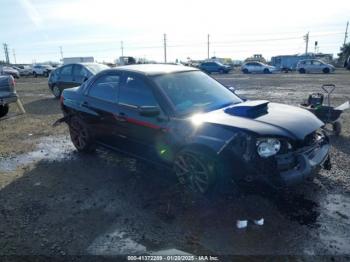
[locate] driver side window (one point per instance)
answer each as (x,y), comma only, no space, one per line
(136,92)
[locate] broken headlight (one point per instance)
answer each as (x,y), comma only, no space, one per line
(267,147)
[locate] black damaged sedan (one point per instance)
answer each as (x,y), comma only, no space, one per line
(183,119)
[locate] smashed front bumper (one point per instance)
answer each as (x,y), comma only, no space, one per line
(295,167)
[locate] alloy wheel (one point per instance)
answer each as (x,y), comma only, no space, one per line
(79,135)
(192,172)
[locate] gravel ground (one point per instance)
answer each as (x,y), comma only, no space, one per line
(56,202)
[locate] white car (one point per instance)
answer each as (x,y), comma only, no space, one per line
(257,67)
(8,70)
(24,70)
(42,70)
(314,66)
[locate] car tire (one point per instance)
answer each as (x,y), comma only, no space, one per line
(198,171)
(80,135)
(326,70)
(35,74)
(221,71)
(245,71)
(4,109)
(46,74)
(302,71)
(266,71)
(56,91)
(337,128)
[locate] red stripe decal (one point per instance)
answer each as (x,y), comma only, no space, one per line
(142,123)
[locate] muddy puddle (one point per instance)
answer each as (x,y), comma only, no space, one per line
(47,148)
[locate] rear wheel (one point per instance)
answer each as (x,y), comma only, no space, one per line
(35,74)
(56,91)
(198,171)
(266,71)
(81,135)
(4,109)
(302,71)
(325,70)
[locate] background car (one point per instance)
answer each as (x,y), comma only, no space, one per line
(7,93)
(257,67)
(214,67)
(72,75)
(42,70)
(7,70)
(314,66)
(23,70)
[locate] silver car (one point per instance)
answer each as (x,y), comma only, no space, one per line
(257,67)
(314,66)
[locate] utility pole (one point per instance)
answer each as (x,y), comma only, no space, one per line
(306,38)
(208,43)
(14,55)
(122,47)
(164,48)
(6,51)
(346,32)
(61,51)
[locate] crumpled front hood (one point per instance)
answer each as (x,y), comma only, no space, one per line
(278,119)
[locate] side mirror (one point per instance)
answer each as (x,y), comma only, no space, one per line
(232,89)
(149,111)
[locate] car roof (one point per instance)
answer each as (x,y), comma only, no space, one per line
(155,69)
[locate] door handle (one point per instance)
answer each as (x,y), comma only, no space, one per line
(121,117)
(85,104)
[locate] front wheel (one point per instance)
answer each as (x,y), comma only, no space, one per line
(56,91)
(302,71)
(81,135)
(245,71)
(4,109)
(325,70)
(196,171)
(266,71)
(35,74)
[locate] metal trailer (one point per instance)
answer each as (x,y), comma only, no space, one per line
(71,60)
(288,63)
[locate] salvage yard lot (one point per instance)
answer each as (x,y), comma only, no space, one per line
(54,201)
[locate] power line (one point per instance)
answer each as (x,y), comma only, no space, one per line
(208,43)
(346,32)
(164,48)
(6,53)
(61,51)
(306,38)
(14,55)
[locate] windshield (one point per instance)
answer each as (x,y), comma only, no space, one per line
(195,91)
(95,68)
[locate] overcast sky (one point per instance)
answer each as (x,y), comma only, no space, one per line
(36,29)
